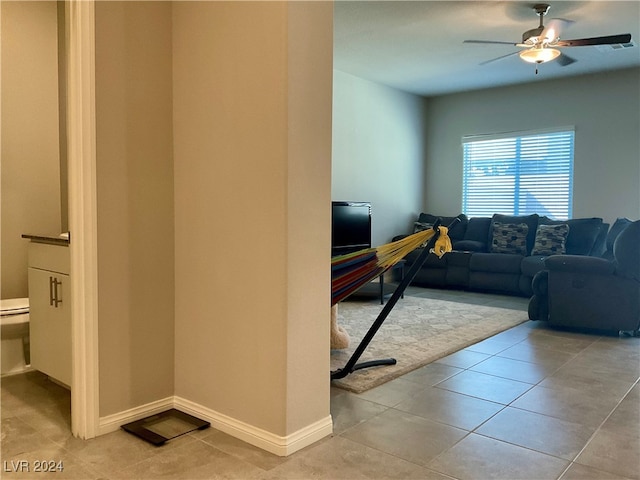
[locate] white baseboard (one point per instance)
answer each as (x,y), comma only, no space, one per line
(113,422)
(272,443)
(276,444)
(17,371)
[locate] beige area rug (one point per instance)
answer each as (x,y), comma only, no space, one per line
(418,331)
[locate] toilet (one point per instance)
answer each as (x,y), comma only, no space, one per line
(15,336)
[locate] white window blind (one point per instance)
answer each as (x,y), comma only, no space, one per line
(519,174)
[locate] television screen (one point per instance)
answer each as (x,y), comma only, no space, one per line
(350,227)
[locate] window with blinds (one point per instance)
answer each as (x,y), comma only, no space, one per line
(519,175)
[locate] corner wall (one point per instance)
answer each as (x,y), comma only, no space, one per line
(310,89)
(252,116)
(604,109)
(134,165)
(379,152)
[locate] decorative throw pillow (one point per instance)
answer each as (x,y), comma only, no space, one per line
(419,227)
(531,221)
(583,233)
(509,238)
(550,239)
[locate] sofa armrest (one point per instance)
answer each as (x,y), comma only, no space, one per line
(579,264)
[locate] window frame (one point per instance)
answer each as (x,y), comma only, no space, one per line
(555,152)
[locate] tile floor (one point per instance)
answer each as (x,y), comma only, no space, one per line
(529,403)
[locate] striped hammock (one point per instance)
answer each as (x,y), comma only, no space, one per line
(351,271)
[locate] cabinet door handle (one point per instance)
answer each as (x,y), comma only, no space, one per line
(53,292)
(51,287)
(58,293)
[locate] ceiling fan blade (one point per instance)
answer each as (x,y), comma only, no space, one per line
(498,58)
(489,41)
(608,40)
(554,28)
(564,60)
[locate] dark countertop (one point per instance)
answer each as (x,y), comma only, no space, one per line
(51,239)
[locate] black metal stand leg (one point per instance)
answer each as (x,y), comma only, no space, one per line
(381,280)
(352,364)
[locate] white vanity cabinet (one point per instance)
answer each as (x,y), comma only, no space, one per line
(50,310)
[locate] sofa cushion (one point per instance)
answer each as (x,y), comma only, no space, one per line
(458,259)
(495,282)
(583,233)
(618,226)
(509,238)
(497,263)
(432,261)
(476,235)
(532,264)
(626,250)
(457,268)
(550,239)
(478,230)
(599,246)
(530,220)
(579,265)
(458,230)
(469,246)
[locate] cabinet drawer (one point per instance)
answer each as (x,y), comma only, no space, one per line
(54,258)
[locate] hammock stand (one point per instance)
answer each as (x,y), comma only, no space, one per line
(352,364)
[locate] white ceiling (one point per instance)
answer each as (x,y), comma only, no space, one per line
(417,46)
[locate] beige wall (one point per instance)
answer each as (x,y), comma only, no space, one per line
(134,203)
(252,112)
(379,152)
(30,157)
(604,108)
(213,177)
(310,59)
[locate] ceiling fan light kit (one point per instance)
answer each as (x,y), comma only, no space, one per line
(539,55)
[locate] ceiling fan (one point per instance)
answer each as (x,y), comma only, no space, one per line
(541,43)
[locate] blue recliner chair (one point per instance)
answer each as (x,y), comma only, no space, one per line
(590,292)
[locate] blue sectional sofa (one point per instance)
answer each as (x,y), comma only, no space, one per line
(503,253)
(577,291)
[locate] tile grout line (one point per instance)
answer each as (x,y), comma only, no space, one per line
(571,462)
(597,430)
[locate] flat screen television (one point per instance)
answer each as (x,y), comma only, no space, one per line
(350,227)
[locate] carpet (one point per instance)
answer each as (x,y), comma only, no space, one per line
(418,331)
